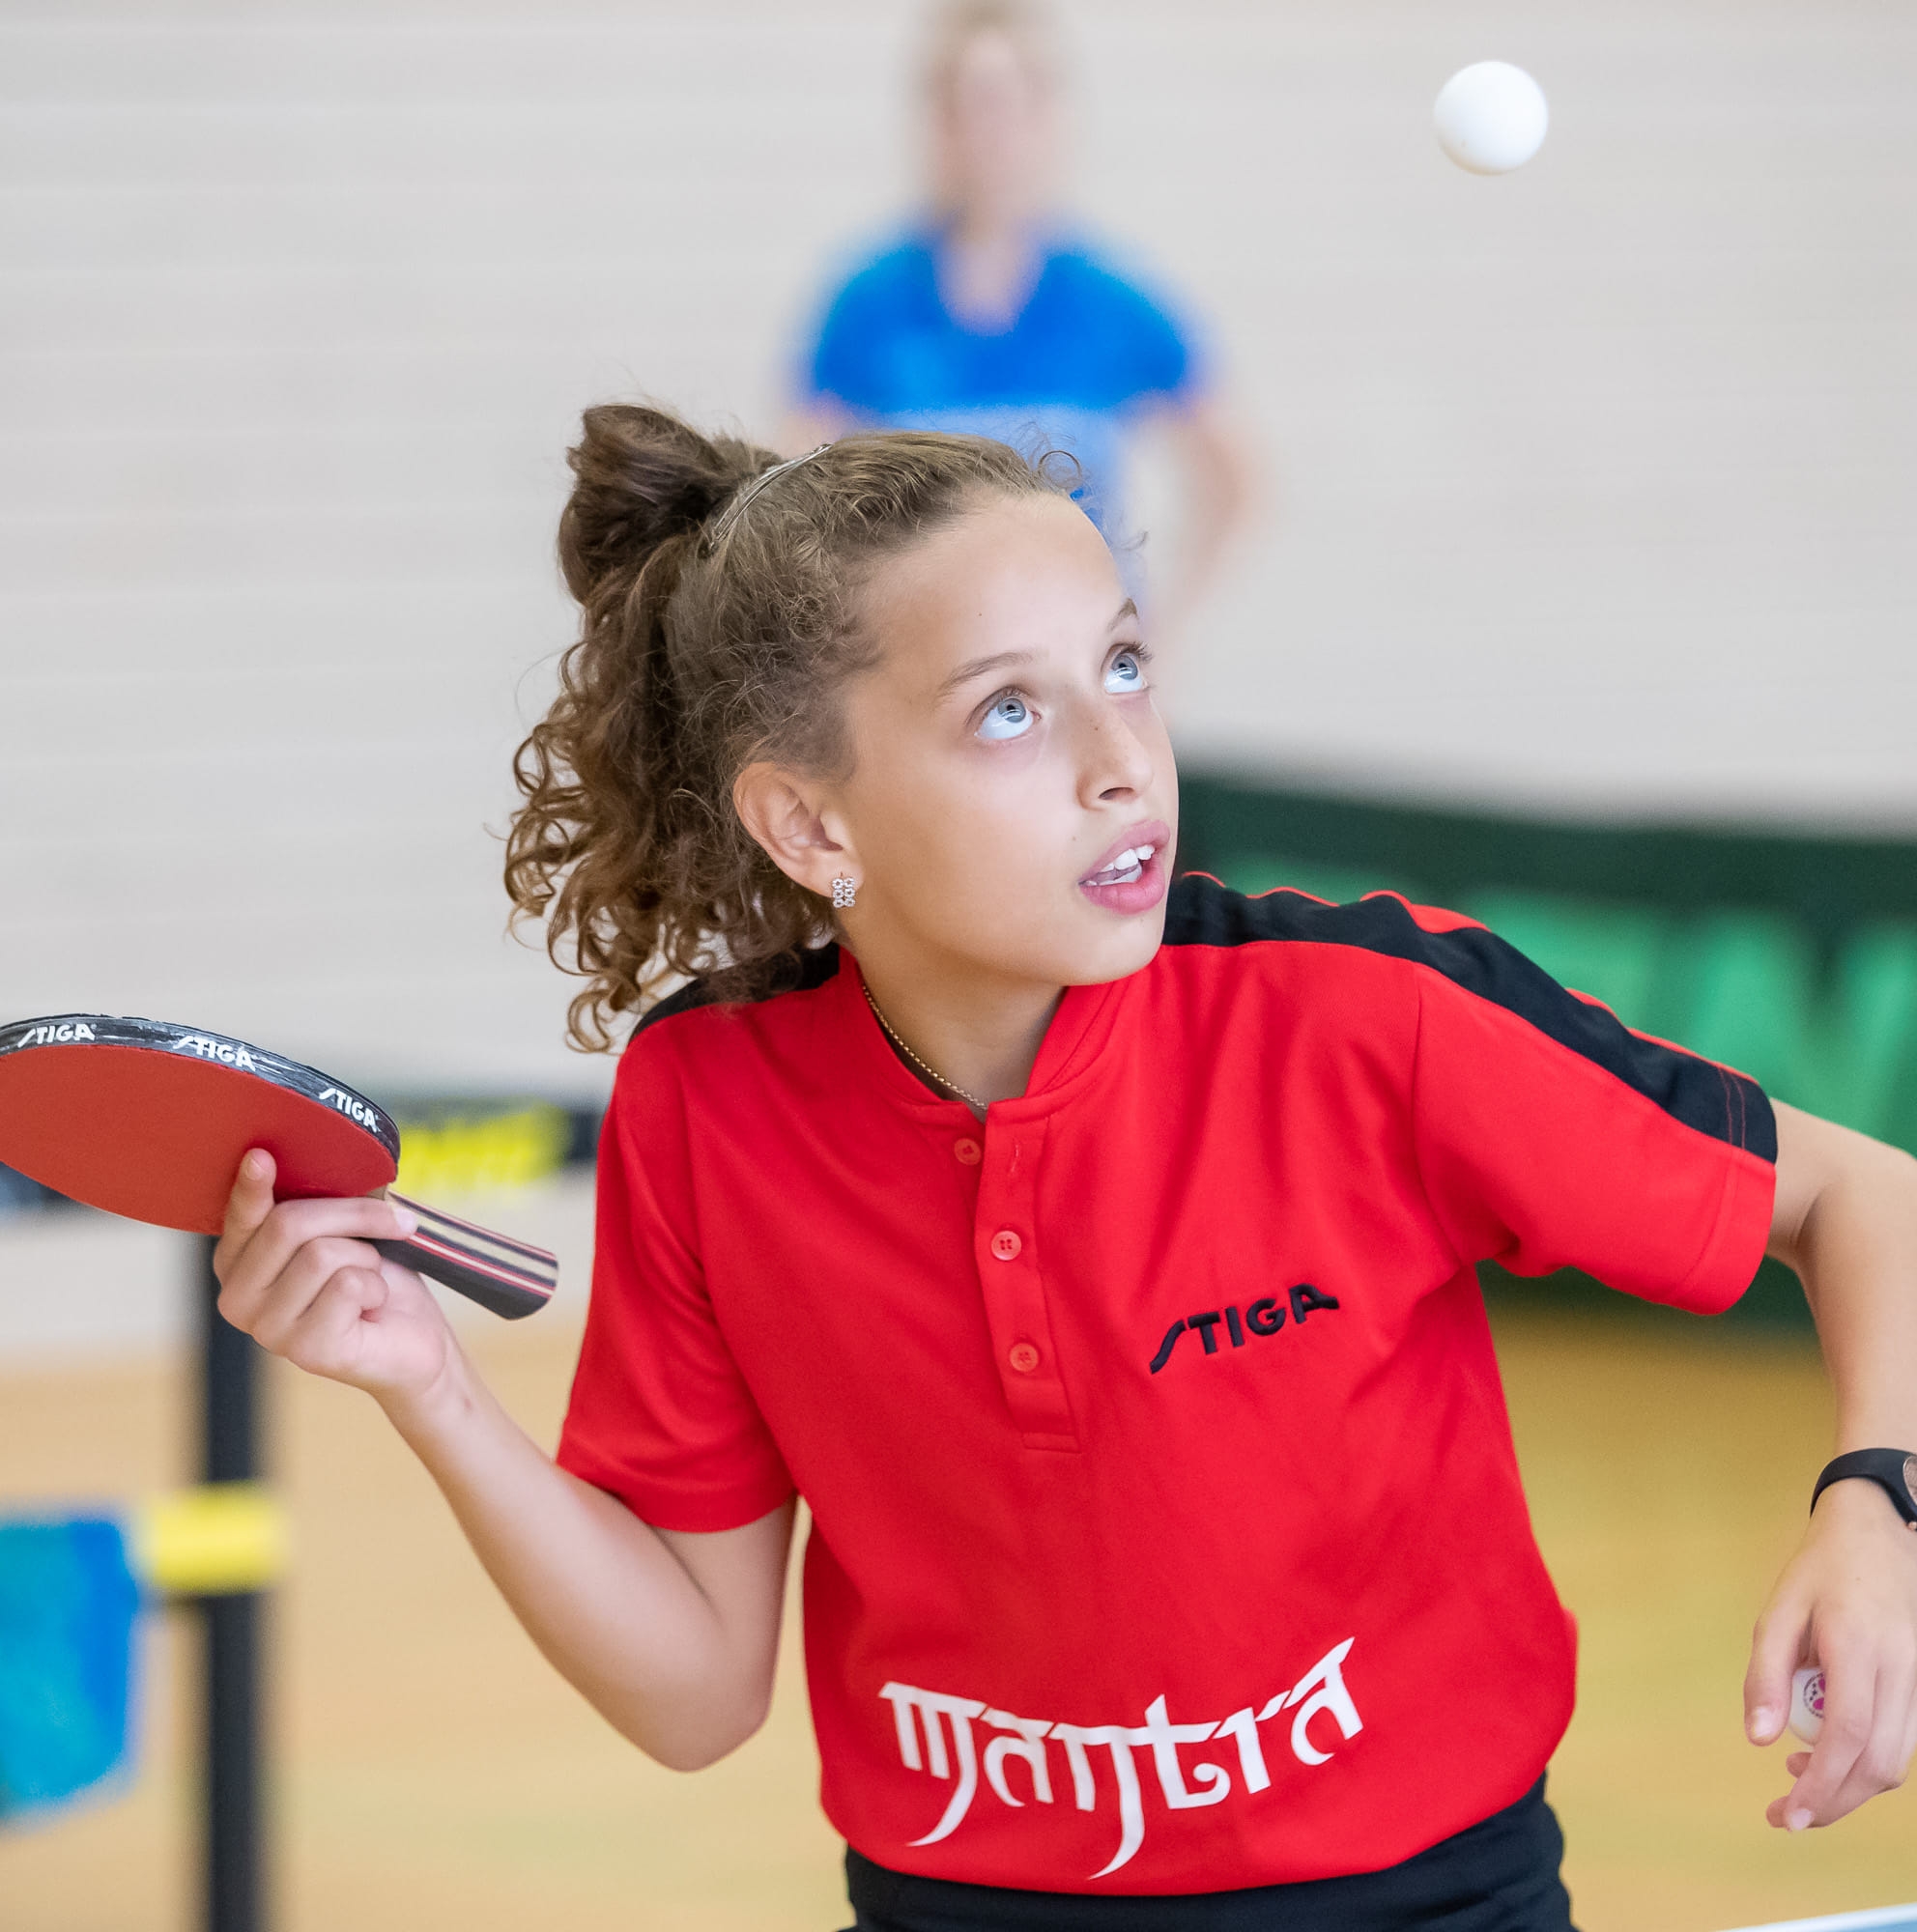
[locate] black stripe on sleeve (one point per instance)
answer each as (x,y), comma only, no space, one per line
(1697,1093)
(803,972)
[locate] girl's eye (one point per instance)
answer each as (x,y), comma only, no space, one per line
(1009,717)
(1124,674)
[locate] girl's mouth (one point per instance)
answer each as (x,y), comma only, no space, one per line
(1132,878)
(1129,864)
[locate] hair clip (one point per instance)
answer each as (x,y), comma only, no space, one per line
(751,490)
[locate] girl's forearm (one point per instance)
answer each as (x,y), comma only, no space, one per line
(1855,1251)
(674,1646)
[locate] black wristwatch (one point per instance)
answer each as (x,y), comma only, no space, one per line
(1893,1470)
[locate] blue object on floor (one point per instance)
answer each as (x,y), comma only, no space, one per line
(67,1603)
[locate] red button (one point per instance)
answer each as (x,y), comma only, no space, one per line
(1023,1357)
(969,1151)
(1005,1244)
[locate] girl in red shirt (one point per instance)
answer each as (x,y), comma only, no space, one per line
(1093,1253)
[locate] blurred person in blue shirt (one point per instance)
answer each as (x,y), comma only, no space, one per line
(991,316)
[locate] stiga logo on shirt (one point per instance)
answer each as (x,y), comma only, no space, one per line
(1264,1317)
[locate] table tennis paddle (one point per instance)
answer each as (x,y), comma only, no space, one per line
(150,1120)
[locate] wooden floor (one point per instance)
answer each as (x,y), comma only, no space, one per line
(434,1772)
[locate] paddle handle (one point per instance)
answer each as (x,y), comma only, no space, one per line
(508,1278)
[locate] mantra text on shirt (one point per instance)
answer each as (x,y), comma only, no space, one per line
(1322,1688)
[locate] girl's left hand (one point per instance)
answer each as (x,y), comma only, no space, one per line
(1847,1600)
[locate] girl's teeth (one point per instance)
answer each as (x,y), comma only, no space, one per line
(1128,865)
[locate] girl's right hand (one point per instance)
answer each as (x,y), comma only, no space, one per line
(301,1280)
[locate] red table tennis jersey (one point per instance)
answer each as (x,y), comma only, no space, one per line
(1167,1534)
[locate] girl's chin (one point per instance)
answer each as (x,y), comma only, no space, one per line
(1136,896)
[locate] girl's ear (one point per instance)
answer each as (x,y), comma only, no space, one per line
(784,816)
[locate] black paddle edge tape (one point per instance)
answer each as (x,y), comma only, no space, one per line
(214,1049)
(510,1301)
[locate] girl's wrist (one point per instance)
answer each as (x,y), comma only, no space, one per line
(439,1407)
(1855,1504)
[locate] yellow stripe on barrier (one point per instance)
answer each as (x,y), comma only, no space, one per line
(478,1154)
(220,1540)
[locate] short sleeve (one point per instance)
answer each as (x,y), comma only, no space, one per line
(1155,353)
(660,1415)
(1549,1135)
(857,336)
(837,366)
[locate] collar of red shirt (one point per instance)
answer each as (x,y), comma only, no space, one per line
(1072,1057)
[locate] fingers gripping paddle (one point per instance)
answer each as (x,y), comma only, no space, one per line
(151,1121)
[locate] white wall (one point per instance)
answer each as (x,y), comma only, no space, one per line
(1594,485)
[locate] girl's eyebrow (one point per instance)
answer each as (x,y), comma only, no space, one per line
(978,667)
(1000,659)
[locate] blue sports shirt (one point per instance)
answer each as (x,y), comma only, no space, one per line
(1087,351)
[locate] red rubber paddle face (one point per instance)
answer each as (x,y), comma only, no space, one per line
(151,1121)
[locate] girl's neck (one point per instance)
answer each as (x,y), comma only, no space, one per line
(982,1037)
(990,264)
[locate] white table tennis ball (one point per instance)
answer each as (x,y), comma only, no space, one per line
(1491,117)
(1807,1702)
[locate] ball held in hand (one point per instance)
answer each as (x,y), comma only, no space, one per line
(1807,1702)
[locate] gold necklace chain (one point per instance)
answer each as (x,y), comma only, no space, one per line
(892,1033)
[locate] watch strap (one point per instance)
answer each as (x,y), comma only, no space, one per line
(1893,1470)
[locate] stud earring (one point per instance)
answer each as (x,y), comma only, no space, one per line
(845,892)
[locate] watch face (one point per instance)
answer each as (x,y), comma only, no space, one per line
(1910,1476)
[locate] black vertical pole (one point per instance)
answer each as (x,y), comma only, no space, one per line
(232,1872)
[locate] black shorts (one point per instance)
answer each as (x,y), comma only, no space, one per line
(1497,1876)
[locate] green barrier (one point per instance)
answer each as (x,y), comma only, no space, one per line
(1793,958)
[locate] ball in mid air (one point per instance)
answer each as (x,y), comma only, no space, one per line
(1491,117)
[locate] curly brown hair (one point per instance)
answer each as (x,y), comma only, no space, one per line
(696,659)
